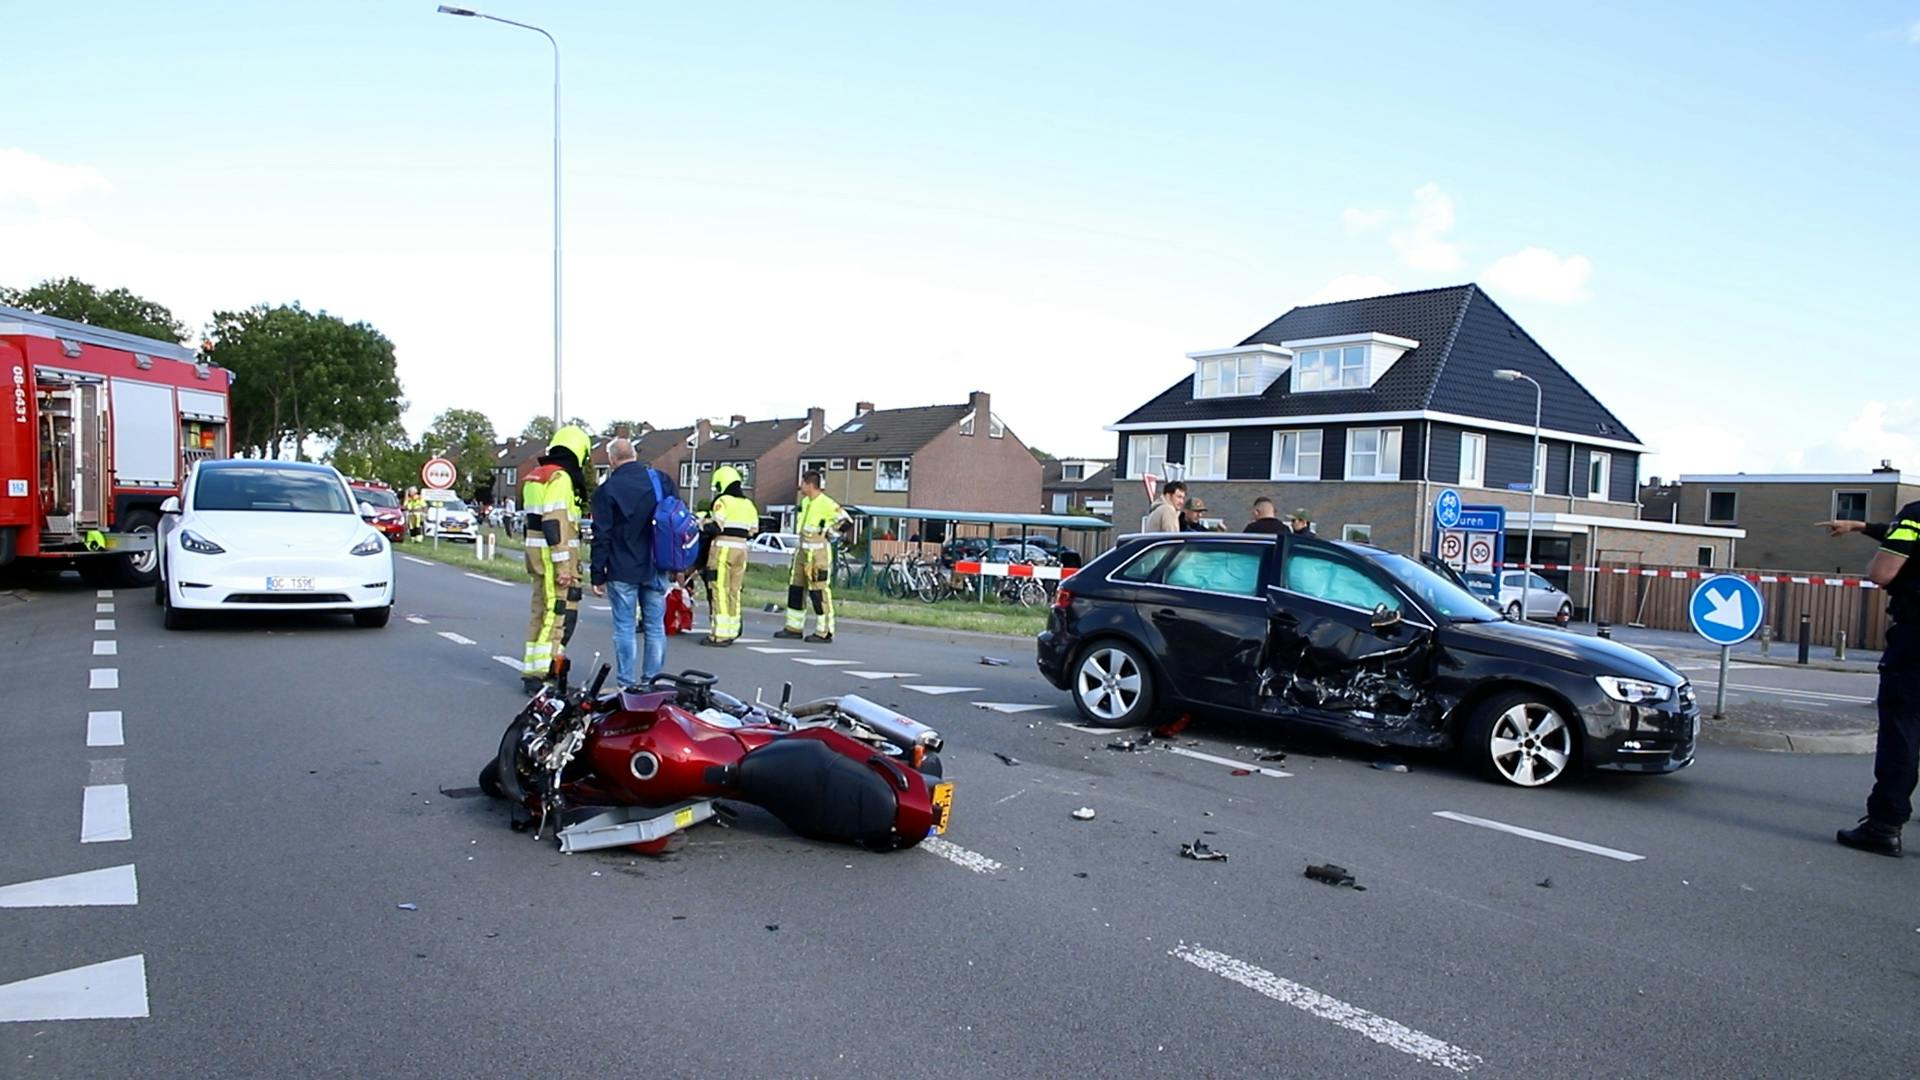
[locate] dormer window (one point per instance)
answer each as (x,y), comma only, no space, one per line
(966,426)
(1227,376)
(1077,472)
(996,429)
(1348,362)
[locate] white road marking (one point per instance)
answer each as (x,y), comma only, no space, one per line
(103,609)
(103,624)
(491,581)
(416,620)
(104,594)
(1229,762)
(103,678)
(884,674)
(1782,691)
(507,660)
(1732,665)
(1355,1019)
(960,856)
(113,990)
(104,814)
(1545,838)
(812,661)
(104,728)
(751,640)
(773,650)
(602,607)
(106,648)
(422,562)
(936,691)
(457,639)
(114,886)
(1007,707)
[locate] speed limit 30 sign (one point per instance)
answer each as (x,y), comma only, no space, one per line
(438,474)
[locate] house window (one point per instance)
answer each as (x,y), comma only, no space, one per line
(513,477)
(686,475)
(864,464)
(1540,469)
(1331,369)
(890,474)
(745,469)
(996,429)
(1233,376)
(837,464)
(1849,506)
(1059,502)
(818,465)
(966,426)
(1703,555)
(1373,454)
(1473,460)
(1147,454)
(1600,476)
(1357,534)
(1207,456)
(1075,472)
(806,433)
(1296,455)
(1723,507)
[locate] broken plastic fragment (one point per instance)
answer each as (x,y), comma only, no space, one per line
(1007,759)
(1389,766)
(1202,851)
(1165,731)
(1545,883)
(1130,746)
(1334,875)
(1085,813)
(1243,772)
(993,661)
(1273,755)
(408,907)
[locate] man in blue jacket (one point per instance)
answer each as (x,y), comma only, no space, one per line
(623,567)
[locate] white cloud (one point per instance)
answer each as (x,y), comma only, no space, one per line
(1880,431)
(1422,243)
(1913,33)
(1538,274)
(1360,221)
(31,178)
(1349,287)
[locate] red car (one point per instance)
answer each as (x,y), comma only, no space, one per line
(387,515)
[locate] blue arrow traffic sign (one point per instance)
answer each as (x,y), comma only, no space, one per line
(1726,609)
(1446,509)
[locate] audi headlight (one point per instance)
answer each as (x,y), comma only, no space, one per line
(372,545)
(198,544)
(1633,691)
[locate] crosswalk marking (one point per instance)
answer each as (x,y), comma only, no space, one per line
(937,691)
(884,674)
(103,625)
(104,729)
(773,650)
(1007,706)
(457,639)
(104,814)
(813,661)
(114,886)
(112,990)
(103,678)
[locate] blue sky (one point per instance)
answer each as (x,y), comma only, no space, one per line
(1707,214)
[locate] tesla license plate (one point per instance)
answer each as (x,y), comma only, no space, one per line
(289,584)
(942,806)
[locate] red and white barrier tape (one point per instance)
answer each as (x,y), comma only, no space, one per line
(1699,575)
(996,569)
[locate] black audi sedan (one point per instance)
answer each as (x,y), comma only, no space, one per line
(1358,642)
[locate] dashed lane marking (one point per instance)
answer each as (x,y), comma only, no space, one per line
(1228,762)
(112,990)
(884,674)
(1007,707)
(937,691)
(106,648)
(960,856)
(416,620)
(104,814)
(507,660)
(813,661)
(114,886)
(103,678)
(419,562)
(103,624)
(457,639)
(1352,1017)
(1783,691)
(490,581)
(103,609)
(104,728)
(773,650)
(1545,838)
(104,594)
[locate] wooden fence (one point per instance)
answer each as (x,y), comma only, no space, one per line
(1661,604)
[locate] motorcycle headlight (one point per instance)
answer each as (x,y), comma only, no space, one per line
(198,544)
(1633,691)
(372,545)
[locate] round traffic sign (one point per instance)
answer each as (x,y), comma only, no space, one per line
(1726,609)
(439,474)
(1451,545)
(1446,509)
(1480,555)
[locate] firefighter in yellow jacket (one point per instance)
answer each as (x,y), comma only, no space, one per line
(819,517)
(553,497)
(733,519)
(415,507)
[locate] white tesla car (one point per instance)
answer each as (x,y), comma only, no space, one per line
(251,535)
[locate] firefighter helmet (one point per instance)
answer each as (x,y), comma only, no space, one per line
(576,439)
(725,477)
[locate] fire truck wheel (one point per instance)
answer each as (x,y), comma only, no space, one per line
(141,569)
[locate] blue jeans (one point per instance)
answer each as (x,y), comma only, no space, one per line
(651,600)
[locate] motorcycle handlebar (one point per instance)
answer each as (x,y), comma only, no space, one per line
(599,680)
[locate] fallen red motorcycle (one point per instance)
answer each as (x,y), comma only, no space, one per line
(637,767)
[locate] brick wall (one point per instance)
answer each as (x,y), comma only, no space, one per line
(977,472)
(1780,517)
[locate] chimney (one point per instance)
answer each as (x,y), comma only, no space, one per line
(816,425)
(1886,466)
(702,432)
(738,420)
(980,403)
(862,408)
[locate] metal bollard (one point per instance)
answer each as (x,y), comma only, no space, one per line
(1806,636)
(1604,630)
(1766,639)
(1840,646)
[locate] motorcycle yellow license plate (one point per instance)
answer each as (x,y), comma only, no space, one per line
(942,806)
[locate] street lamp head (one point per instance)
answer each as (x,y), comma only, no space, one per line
(1504,374)
(448,9)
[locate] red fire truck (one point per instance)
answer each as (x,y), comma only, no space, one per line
(99,428)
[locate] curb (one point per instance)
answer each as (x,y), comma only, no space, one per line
(1851,667)
(1827,742)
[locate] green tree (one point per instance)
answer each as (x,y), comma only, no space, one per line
(542,429)
(383,452)
(1039,454)
(466,436)
(302,374)
(116,309)
(612,428)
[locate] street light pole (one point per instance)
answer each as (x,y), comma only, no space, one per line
(1533,488)
(559,408)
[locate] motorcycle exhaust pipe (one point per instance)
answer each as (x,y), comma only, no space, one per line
(903,731)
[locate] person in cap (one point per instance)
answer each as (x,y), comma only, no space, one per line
(1190,516)
(1300,522)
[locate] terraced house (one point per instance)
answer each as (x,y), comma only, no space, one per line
(1364,410)
(935,457)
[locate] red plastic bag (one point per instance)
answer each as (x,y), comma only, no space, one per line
(679,610)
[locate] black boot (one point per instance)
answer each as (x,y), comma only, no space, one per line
(1873,837)
(822,639)
(791,635)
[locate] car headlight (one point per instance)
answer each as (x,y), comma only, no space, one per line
(372,545)
(198,544)
(1633,691)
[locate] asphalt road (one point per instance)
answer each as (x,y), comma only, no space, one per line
(283,783)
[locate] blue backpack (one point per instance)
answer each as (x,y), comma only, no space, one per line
(676,532)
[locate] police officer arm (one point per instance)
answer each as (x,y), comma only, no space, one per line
(1898,539)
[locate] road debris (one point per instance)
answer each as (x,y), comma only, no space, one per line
(1389,766)
(1080,873)
(1273,755)
(1169,730)
(1131,746)
(993,661)
(1085,813)
(1202,851)
(773,926)
(1243,772)
(1545,883)
(1334,875)
(408,907)
(1006,759)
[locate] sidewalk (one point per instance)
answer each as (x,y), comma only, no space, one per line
(1783,653)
